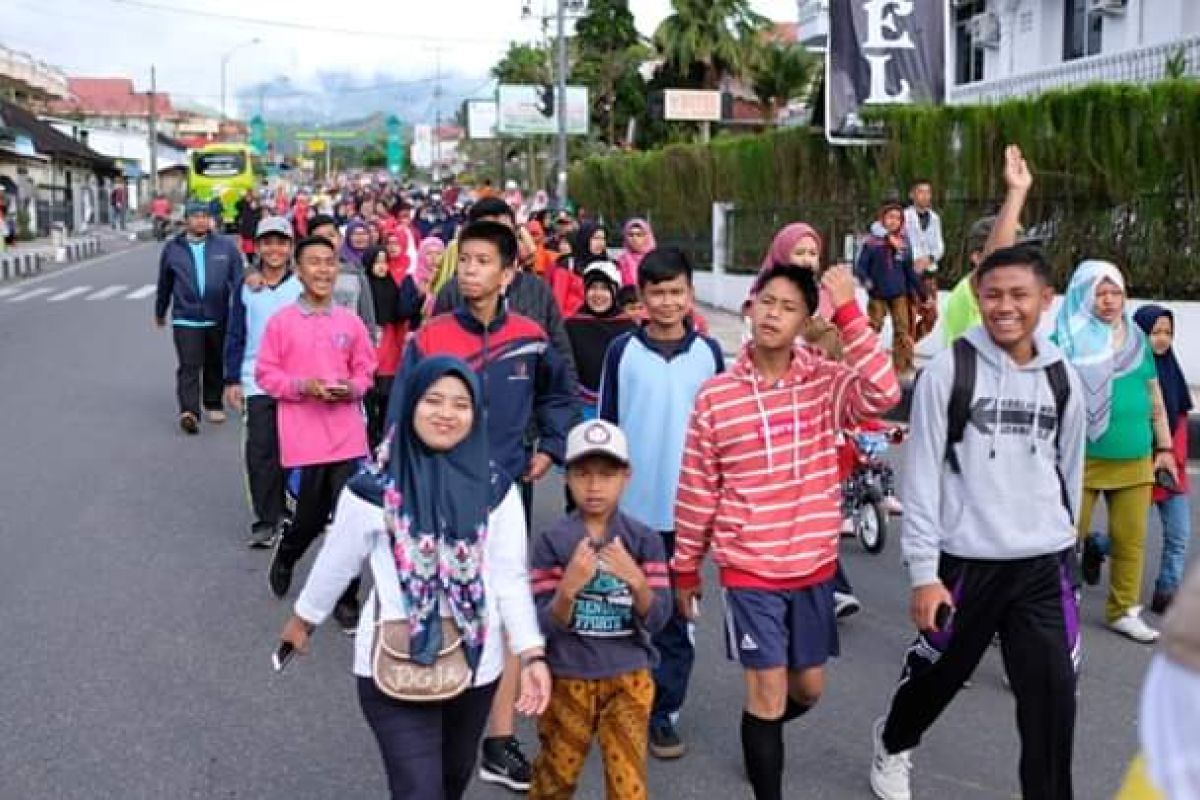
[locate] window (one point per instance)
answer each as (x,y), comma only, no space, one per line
(219,165)
(1081,30)
(968,57)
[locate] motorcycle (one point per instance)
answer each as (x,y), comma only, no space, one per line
(868,479)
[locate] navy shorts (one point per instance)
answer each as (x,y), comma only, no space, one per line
(796,629)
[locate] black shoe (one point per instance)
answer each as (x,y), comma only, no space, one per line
(345,613)
(262,536)
(1093,560)
(665,743)
(504,764)
(279,574)
(189,423)
(1161,602)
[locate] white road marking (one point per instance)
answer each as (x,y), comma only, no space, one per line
(8,291)
(21,298)
(142,293)
(111,291)
(69,293)
(49,276)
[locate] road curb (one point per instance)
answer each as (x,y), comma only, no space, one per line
(33,262)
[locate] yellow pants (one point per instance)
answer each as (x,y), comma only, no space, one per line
(617,711)
(1128,512)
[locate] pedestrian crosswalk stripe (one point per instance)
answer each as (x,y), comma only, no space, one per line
(69,293)
(8,291)
(30,294)
(105,294)
(142,293)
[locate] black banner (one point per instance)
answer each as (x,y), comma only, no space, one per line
(881,52)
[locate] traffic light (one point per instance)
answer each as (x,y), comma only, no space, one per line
(546,102)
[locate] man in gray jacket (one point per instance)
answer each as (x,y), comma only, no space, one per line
(993,477)
(923,227)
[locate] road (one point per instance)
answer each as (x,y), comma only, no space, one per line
(136,626)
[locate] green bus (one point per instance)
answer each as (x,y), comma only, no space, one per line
(226,171)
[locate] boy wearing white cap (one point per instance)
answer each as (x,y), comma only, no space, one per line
(602,590)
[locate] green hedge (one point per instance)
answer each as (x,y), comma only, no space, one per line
(1117,172)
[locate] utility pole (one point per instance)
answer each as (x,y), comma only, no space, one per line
(153,122)
(561,107)
(437,119)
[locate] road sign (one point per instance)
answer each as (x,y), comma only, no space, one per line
(316,146)
(520,111)
(395,145)
(686,105)
(258,135)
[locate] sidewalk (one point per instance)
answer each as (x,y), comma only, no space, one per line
(32,258)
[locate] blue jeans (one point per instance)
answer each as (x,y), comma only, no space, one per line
(676,655)
(1176,515)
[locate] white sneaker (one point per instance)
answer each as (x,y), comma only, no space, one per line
(847,528)
(1133,626)
(845,605)
(892,505)
(889,772)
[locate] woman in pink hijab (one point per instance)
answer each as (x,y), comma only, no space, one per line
(800,245)
(639,240)
(429,256)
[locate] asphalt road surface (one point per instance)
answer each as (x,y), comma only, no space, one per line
(135,626)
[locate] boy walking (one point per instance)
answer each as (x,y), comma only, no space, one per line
(885,268)
(760,486)
(248,317)
(601,586)
(649,383)
(316,359)
(989,534)
(524,379)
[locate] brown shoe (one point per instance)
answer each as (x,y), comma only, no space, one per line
(189,423)
(216,416)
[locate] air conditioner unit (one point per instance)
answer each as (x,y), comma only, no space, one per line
(985,30)
(1112,7)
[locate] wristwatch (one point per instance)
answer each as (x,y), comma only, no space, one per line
(529,661)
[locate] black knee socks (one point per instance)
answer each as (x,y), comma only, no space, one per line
(762,750)
(795,710)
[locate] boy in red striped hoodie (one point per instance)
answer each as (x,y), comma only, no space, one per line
(760,485)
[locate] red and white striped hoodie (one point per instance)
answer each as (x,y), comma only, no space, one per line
(759,482)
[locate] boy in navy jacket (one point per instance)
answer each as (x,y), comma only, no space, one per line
(197,273)
(885,269)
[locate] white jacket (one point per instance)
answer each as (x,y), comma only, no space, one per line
(925,243)
(358,534)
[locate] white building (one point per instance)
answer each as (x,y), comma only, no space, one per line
(130,148)
(997,49)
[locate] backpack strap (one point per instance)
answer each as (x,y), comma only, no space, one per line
(1060,385)
(959,409)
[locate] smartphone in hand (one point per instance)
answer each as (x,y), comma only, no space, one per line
(283,656)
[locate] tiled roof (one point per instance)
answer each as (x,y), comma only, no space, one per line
(113,97)
(49,141)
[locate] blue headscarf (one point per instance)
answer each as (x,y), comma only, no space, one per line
(436,509)
(1176,396)
(1088,341)
(348,253)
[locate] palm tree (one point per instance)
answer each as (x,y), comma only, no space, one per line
(719,35)
(781,73)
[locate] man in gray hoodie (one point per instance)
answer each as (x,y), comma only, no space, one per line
(989,530)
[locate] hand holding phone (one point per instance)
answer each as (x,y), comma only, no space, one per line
(944,616)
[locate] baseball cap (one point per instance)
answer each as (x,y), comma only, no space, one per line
(607,269)
(276,225)
(195,207)
(981,229)
(597,437)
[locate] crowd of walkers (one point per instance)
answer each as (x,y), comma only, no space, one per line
(409,365)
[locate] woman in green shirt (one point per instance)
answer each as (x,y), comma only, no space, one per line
(1128,437)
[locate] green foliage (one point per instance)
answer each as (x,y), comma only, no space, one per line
(781,73)
(1176,66)
(718,35)
(524,64)
(1117,175)
(608,52)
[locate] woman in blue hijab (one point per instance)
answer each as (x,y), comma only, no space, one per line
(421,519)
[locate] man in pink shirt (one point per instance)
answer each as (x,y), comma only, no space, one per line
(317,361)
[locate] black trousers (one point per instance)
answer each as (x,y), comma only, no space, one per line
(320,485)
(1032,604)
(264,473)
(376,403)
(201,371)
(428,749)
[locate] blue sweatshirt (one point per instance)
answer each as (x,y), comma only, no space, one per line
(198,294)
(650,396)
(606,636)
(247,321)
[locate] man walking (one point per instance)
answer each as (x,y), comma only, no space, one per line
(924,229)
(119,200)
(197,272)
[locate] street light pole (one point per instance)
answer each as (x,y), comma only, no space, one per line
(561,106)
(224,66)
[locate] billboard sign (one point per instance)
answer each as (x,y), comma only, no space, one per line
(686,105)
(521,111)
(481,119)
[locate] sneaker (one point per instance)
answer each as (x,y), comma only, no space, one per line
(1093,559)
(1133,626)
(189,423)
(216,416)
(279,574)
(845,605)
(504,764)
(346,615)
(665,743)
(889,772)
(847,528)
(1161,602)
(262,537)
(893,506)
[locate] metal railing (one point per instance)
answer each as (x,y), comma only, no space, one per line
(1143,65)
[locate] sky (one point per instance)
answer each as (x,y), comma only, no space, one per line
(376,39)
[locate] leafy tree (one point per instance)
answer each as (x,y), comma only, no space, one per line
(524,64)
(781,73)
(719,36)
(608,53)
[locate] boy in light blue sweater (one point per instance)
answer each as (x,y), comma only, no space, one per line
(648,387)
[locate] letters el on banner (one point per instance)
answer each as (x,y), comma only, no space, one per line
(881,52)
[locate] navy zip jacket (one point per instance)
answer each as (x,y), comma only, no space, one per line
(177,286)
(886,273)
(522,377)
